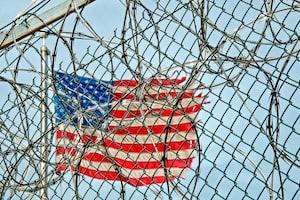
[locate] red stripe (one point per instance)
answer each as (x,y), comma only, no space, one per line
(96,157)
(89,139)
(151,147)
(104,175)
(66,134)
(128,164)
(163,113)
(107,175)
(86,138)
(155,129)
(147,147)
(61,167)
(161,96)
(111,175)
(165,82)
(60,134)
(65,150)
(126,83)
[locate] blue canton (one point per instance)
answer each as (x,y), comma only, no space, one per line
(82,101)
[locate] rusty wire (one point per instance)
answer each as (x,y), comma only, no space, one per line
(245,55)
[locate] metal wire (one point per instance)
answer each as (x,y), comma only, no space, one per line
(244,54)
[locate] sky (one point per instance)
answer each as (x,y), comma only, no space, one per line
(230,122)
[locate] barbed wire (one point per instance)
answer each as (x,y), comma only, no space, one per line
(241,56)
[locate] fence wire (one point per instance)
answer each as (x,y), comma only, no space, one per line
(241,55)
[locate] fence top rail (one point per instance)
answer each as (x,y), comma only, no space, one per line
(35,23)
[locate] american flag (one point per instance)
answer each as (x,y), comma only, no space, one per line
(139,133)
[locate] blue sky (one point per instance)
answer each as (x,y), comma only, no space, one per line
(231,123)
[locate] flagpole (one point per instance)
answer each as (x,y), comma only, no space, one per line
(44,118)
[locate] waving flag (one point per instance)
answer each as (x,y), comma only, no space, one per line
(139,133)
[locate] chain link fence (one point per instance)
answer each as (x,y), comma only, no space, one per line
(240,56)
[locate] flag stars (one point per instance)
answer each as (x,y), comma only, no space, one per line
(82,94)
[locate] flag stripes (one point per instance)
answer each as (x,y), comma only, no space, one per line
(145,141)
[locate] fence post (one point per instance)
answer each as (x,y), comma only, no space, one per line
(44,117)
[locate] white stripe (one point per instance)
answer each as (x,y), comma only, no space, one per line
(137,139)
(132,139)
(153,90)
(132,173)
(166,104)
(130,156)
(128,173)
(63,158)
(153,138)
(153,120)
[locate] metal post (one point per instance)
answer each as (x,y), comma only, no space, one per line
(44,117)
(36,23)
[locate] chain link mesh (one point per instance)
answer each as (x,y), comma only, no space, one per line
(244,54)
